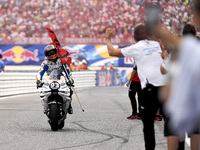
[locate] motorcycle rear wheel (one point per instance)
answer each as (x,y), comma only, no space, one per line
(53,115)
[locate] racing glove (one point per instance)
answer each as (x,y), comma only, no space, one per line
(70,82)
(39,83)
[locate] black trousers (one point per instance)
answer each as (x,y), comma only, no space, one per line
(150,105)
(134,88)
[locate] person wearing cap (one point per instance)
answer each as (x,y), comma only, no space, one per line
(51,62)
(2,65)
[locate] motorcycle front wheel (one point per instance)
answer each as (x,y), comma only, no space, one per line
(53,116)
(61,125)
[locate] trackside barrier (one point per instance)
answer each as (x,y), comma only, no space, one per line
(14,83)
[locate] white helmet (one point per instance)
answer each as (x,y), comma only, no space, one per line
(50,52)
(84,61)
(80,62)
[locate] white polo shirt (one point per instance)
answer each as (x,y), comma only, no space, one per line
(146,53)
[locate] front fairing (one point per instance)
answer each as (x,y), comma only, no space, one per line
(54,84)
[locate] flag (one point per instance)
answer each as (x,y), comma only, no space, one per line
(63,54)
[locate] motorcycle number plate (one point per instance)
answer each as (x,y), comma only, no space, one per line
(54,85)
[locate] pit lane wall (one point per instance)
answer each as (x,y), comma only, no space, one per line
(15,83)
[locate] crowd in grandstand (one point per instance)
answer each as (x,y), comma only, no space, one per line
(82,18)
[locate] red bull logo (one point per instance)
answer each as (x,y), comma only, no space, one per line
(18,54)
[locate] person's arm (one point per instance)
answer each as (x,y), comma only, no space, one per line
(3,69)
(163,68)
(131,77)
(170,41)
(44,67)
(66,70)
(111,50)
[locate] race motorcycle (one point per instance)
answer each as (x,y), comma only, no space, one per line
(56,95)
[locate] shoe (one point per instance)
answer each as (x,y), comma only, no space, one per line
(158,118)
(139,116)
(132,117)
(70,110)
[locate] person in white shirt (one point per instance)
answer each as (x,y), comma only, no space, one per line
(146,53)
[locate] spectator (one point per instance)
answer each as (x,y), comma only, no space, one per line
(134,88)
(102,67)
(111,65)
(77,19)
(183,104)
(73,66)
(83,65)
(173,139)
(2,65)
(174,142)
(146,53)
(106,66)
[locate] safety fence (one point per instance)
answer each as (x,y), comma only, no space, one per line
(14,83)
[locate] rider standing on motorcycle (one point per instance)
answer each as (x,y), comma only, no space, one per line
(51,62)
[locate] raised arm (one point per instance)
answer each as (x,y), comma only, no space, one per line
(111,50)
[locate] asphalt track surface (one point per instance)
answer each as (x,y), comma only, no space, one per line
(103,125)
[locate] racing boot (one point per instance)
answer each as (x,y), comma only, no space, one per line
(70,109)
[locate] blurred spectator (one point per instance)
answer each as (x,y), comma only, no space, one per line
(21,18)
(83,65)
(102,67)
(2,65)
(73,67)
(183,104)
(111,65)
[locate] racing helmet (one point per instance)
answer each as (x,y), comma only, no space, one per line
(50,52)
(84,61)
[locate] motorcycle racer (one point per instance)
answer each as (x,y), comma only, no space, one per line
(53,62)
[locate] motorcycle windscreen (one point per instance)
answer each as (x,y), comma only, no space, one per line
(55,74)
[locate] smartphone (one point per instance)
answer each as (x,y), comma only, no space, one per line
(152,16)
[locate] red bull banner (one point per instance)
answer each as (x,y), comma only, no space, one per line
(94,55)
(22,54)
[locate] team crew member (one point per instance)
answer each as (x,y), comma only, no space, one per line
(147,55)
(134,88)
(52,62)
